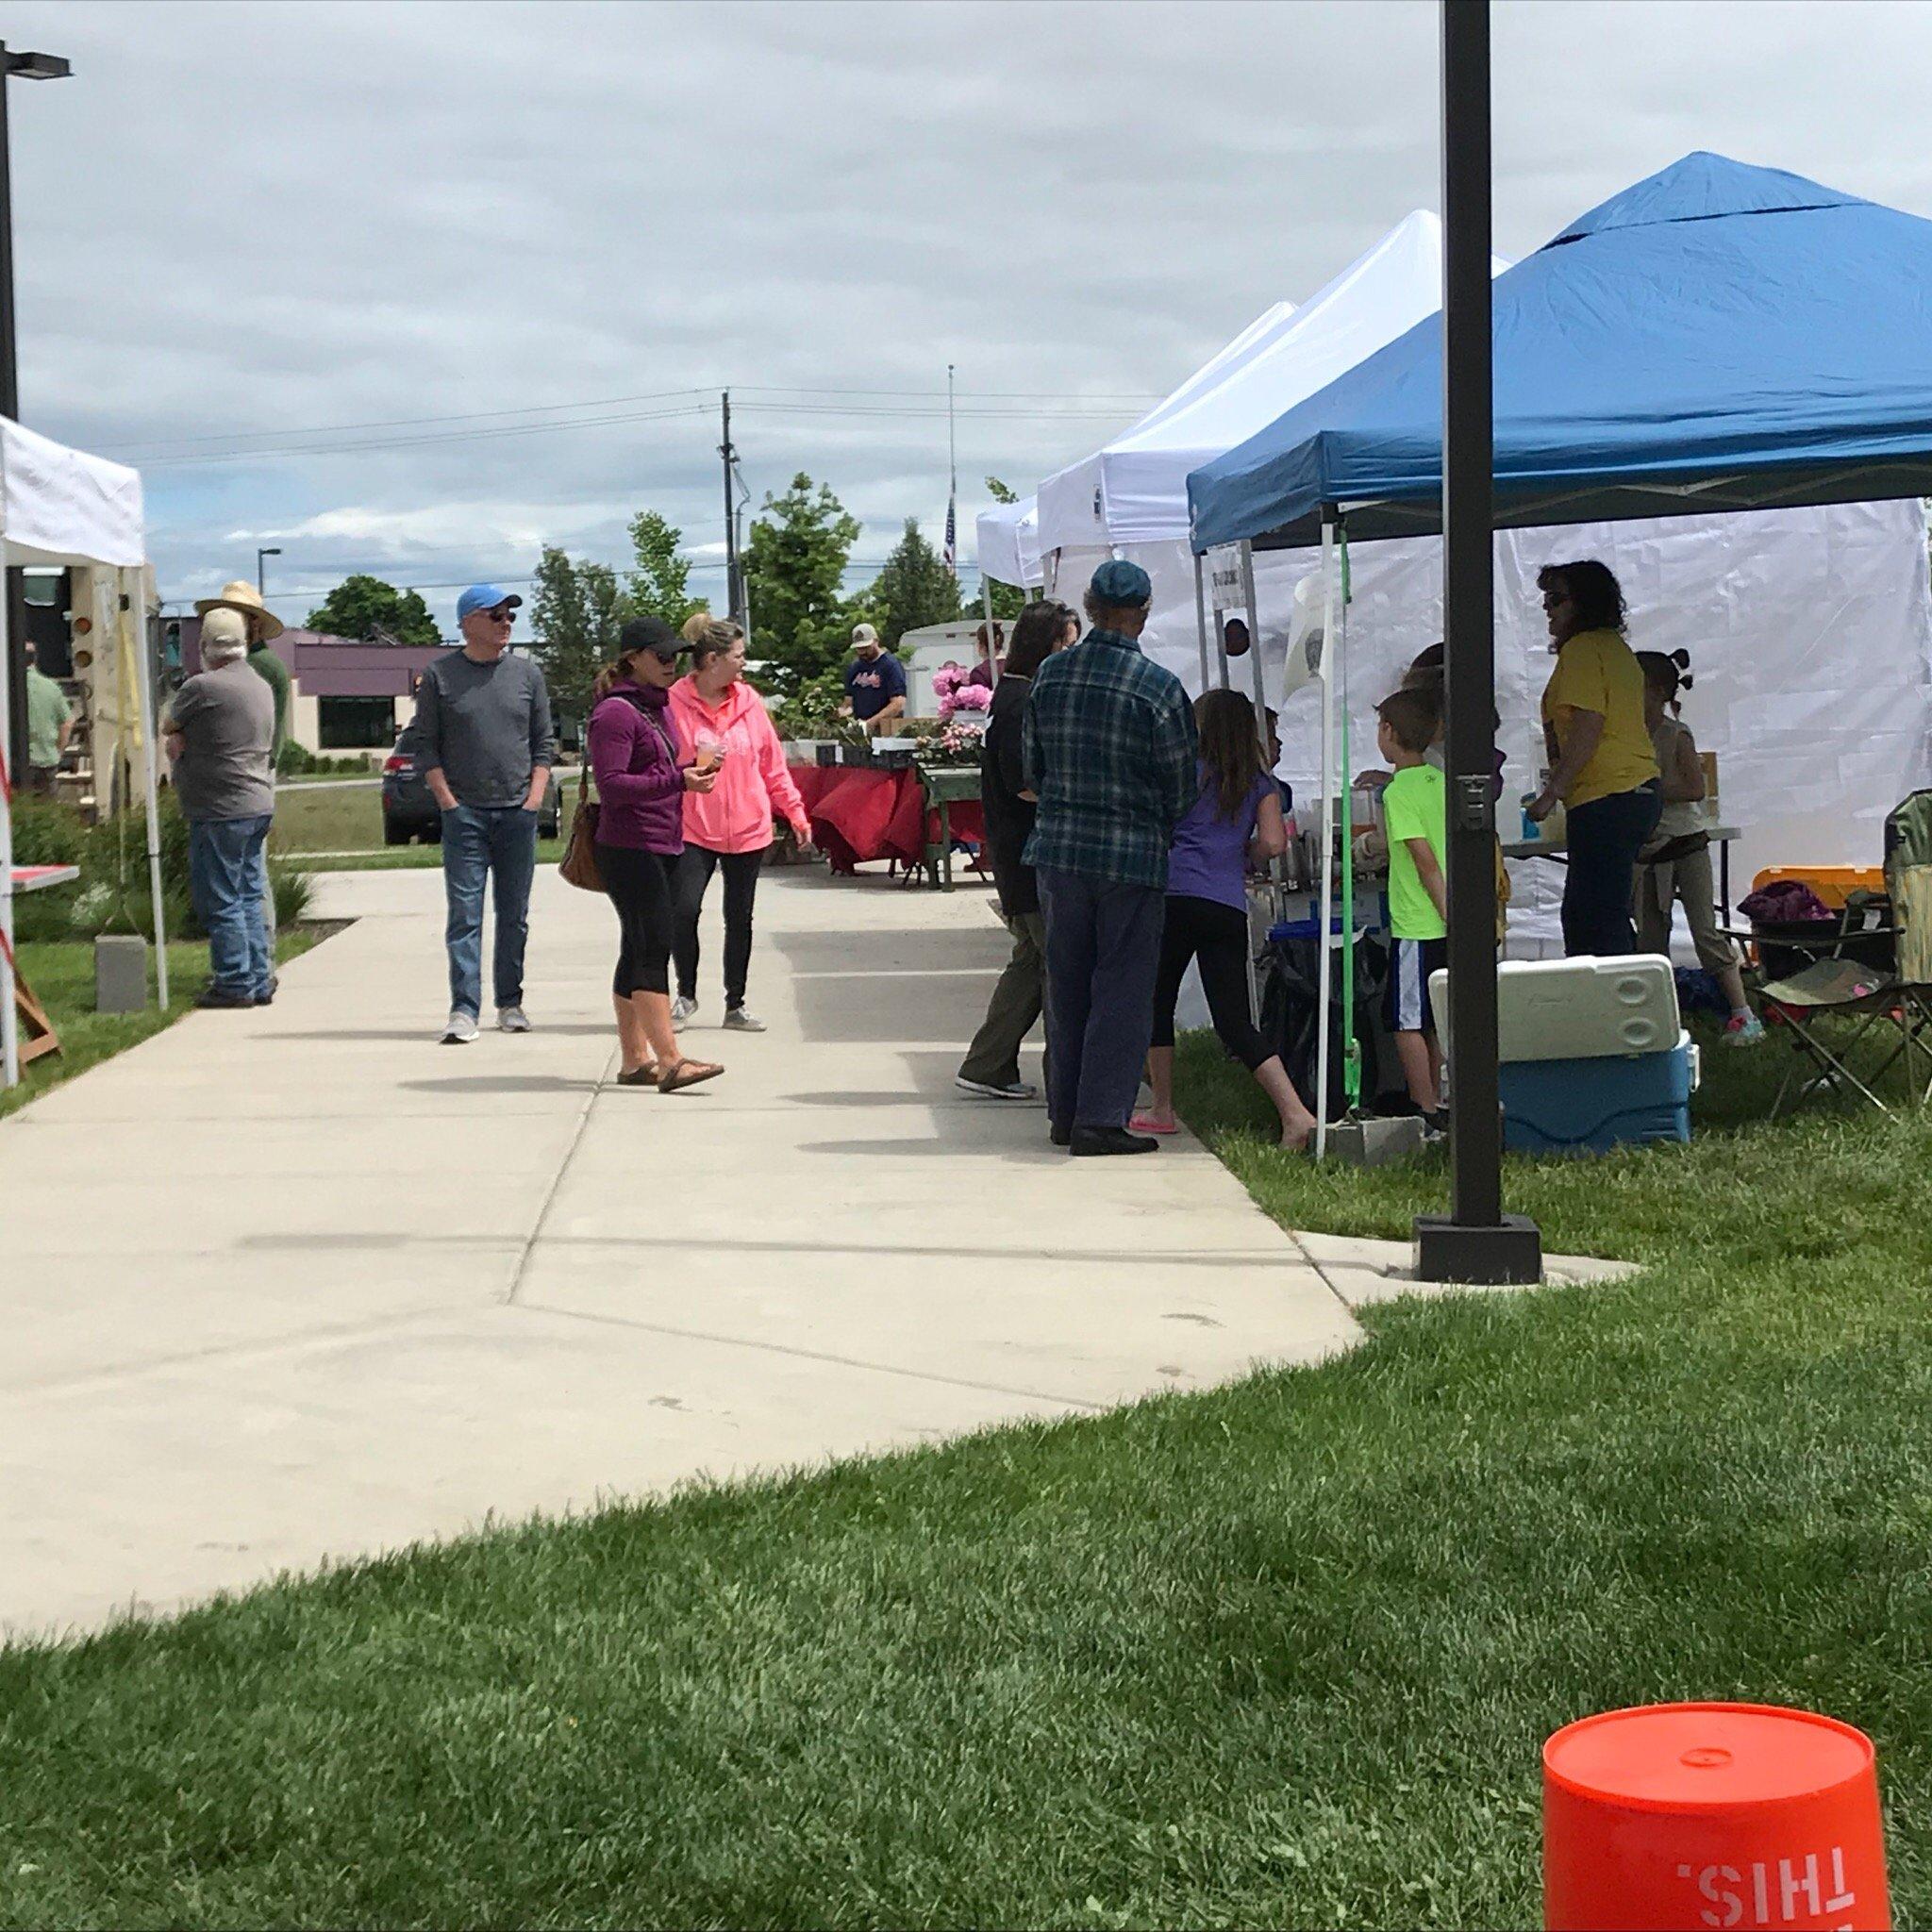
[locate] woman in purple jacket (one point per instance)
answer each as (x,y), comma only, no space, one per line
(641,779)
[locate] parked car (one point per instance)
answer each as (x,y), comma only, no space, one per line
(410,812)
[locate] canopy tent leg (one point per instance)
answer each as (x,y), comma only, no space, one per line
(1267,760)
(993,656)
(9,1039)
(134,621)
(1351,1046)
(1201,611)
(1325,966)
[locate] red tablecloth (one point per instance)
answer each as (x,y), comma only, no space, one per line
(860,812)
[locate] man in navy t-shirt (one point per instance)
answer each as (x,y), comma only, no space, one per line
(874,681)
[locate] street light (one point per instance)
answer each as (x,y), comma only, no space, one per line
(25,67)
(260,581)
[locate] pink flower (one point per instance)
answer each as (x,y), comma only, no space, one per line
(974,697)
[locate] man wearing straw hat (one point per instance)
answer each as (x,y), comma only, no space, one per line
(263,628)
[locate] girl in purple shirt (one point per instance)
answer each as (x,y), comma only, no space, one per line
(1234,823)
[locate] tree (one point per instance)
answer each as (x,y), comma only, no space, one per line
(575,613)
(1007,600)
(914,588)
(658,585)
(362,606)
(794,576)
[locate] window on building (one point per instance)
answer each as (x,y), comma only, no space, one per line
(355,723)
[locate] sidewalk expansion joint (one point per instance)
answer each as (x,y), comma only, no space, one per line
(550,1194)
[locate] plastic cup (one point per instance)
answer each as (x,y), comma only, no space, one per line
(1727,1815)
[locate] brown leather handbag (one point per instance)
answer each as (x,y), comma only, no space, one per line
(579,861)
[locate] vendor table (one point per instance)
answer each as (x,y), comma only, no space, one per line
(1720,836)
(863,813)
(37,1035)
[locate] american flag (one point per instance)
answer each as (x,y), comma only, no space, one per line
(952,551)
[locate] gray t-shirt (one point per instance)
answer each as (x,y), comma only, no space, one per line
(228,720)
(488,725)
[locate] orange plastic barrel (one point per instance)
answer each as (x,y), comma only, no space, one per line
(1728,1815)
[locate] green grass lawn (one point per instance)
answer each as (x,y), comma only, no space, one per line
(331,817)
(62,974)
(1282,1654)
(409,859)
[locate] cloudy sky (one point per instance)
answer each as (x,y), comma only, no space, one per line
(418,288)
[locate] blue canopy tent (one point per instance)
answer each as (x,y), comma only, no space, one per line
(1717,337)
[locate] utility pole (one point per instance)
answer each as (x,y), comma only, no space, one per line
(25,67)
(734,590)
(1476,1241)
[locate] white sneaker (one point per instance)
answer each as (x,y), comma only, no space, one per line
(742,1020)
(512,1020)
(681,1010)
(461,1029)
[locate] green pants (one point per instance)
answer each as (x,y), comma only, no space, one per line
(993,1059)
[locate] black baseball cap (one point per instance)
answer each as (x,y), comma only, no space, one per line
(654,635)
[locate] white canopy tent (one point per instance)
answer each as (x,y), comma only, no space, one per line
(1134,490)
(58,507)
(1009,543)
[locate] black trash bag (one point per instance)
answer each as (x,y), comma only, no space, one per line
(1291,995)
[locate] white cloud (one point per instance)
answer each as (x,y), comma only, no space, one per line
(265,218)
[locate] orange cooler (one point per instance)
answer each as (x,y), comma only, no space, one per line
(1727,1815)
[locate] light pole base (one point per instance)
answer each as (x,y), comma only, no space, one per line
(1510,1254)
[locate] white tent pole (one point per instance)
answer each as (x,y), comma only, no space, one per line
(1325,972)
(133,619)
(9,1041)
(993,656)
(1255,648)
(1266,763)
(1201,611)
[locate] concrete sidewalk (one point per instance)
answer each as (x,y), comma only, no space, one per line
(300,1283)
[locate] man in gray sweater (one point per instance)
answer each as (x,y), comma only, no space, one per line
(484,743)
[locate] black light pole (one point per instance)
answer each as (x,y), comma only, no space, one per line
(260,577)
(25,67)
(1476,1241)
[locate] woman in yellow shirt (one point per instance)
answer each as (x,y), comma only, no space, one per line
(1602,765)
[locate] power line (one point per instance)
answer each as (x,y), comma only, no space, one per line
(414,422)
(377,446)
(239,435)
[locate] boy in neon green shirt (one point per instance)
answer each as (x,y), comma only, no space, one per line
(1415,811)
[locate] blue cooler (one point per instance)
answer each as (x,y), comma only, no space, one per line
(1592,1053)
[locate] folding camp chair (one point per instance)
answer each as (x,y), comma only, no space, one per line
(1897,995)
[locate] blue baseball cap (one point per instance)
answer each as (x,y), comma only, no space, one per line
(1117,581)
(483,598)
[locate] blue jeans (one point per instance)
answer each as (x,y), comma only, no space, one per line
(1604,837)
(227,879)
(479,841)
(1103,952)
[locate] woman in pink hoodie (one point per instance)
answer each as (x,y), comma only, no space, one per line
(729,828)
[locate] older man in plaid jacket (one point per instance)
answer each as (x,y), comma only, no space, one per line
(1110,755)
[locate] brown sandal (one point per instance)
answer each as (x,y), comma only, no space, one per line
(646,1076)
(682,1074)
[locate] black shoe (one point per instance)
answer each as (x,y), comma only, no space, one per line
(214,996)
(1111,1140)
(1059,1135)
